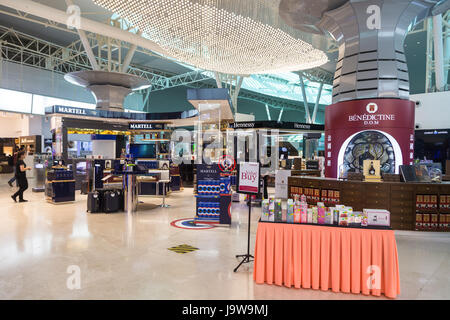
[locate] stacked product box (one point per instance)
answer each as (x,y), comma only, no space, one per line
(320,213)
(296,191)
(444,202)
(442,225)
(290,211)
(265,210)
(434,221)
(426,202)
(419,221)
(330,196)
(426,221)
(208,187)
(298,211)
(208,200)
(277,211)
(208,210)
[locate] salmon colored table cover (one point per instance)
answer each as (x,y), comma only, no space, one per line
(320,257)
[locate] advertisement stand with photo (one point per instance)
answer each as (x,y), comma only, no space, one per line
(248,182)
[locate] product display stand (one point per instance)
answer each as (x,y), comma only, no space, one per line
(246,257)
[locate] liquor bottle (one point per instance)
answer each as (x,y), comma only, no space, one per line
(372,169)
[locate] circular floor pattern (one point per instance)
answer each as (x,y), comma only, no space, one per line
(190,224)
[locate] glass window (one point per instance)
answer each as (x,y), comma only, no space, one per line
(15,101)
(42,102)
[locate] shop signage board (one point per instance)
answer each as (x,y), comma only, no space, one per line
(369,124)
(146,126)
(28,140)
(276,125)
(208,172)
(134,116)
(248,177)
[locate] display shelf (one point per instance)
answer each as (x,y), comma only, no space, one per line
(397,197)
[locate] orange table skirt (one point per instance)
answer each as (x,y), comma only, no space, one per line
(319,257)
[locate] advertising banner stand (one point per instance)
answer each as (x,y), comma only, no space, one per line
(248,183)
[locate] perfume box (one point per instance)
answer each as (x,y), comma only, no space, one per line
(378,217)
(309,217)
(278,211)
(329,216)
(271,210)
(426,221)
(315,214)
(434,221)
(358,219)
(351,218)
(343,218)
(443,202)
(364,220)
(265,210)
(321,215)
(419,221)
(426,200)
(337,195)
(290,211)
(419,202)
(433,201)
(324,196)
(316,194)
(442,222)
(331,196)
(297,213)
(304,214)
(335,215)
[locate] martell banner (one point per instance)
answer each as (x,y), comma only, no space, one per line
(378,129)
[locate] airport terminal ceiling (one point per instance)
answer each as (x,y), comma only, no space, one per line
(279,87)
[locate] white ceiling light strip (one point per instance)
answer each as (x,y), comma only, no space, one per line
(206,36)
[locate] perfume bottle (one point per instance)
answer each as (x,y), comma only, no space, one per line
(371,169)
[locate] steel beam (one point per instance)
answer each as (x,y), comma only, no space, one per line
(316,106)
(305,100)
(58,16)
(438,52)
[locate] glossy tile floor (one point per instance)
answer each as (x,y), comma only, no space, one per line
(121,258)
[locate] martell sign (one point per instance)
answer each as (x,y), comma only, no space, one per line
(69,110)
(145,126)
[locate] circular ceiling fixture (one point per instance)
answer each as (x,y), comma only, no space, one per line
(228,36)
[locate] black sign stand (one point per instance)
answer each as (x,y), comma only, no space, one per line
(247,256)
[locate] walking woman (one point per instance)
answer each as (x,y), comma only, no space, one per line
(21,178)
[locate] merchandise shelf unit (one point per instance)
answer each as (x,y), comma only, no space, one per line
(398,197)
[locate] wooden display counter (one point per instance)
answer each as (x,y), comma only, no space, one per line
(413,206)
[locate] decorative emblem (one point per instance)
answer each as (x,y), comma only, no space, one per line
(372,107)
